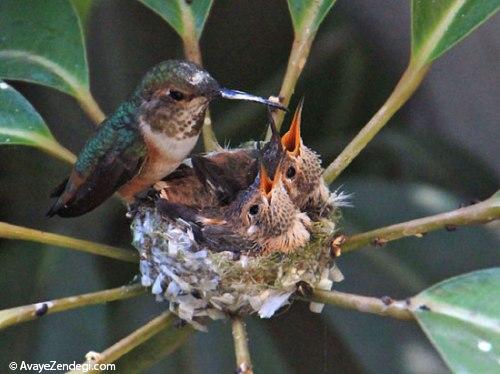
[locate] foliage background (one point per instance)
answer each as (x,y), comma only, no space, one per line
(439,151)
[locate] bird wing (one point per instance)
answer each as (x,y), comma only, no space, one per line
(108,160)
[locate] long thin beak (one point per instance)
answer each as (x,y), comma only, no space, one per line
(240,95)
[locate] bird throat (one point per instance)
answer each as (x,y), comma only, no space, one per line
(176,122)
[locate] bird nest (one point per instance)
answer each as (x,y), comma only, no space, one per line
(200,283)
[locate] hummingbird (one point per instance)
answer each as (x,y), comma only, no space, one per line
(216,178)
(302,172)
(146,138)
(261,219)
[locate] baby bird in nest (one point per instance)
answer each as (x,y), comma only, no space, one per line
(215,179)
(261,219)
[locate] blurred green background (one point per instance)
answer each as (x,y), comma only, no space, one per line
(439,151)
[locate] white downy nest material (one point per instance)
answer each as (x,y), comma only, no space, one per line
(199,283)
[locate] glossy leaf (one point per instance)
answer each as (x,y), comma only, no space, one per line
(21,124)
(180,13)
(19,121)
(302,10)
(461,316)
(439,25)
(400,269)
(42,42)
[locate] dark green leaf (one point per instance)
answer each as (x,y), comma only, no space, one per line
(400,269)
(19,121)
(42,42)
(180,14)
(461,316)
(439,25)
(302,10)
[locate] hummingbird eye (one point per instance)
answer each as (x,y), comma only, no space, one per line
(176,95)
(290,173)
(254,209)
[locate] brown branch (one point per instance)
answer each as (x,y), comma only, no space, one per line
(128,343)
(9,231)
(243,361)
(483,212)
(13,316)
(384,306)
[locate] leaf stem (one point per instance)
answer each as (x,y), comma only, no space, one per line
(192,52)
(13,316)
(9,231)
(240,338)
(405,88)
(384,306)
(125,345)
(54,148)
(483,212)
(303,39)
(89,105)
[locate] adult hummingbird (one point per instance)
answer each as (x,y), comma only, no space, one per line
(146,138)
(261,219)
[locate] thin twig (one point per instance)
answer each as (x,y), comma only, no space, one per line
(240,338)
(384,306)
(303,39)
(13,316)
(155,349)
(483,212)
(405,88)
(192,52)
(131,341)
(9,231)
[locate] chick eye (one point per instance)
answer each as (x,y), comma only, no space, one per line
(176,95)
(254,209)
(290,173)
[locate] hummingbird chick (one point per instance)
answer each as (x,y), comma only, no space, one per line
(145,139)
(212,180)
(302,172)
(261,219)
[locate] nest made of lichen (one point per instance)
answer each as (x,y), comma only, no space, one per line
(270,270)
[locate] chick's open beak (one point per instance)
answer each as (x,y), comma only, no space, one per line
(291,139)
(240,95)
(266,184)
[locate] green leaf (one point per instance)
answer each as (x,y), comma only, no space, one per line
(21,124)
(180,14)
(439,25)
(42,42)
(302,11)
(461,316)
(19,121)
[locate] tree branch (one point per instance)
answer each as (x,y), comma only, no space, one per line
(13,316)
(299,54)
(384,306)
(483,212)
(405,88)
(240,338)
(192,52)
(131,341)
(9,231)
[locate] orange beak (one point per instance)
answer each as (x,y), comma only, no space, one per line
(266,184)
(291,139)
